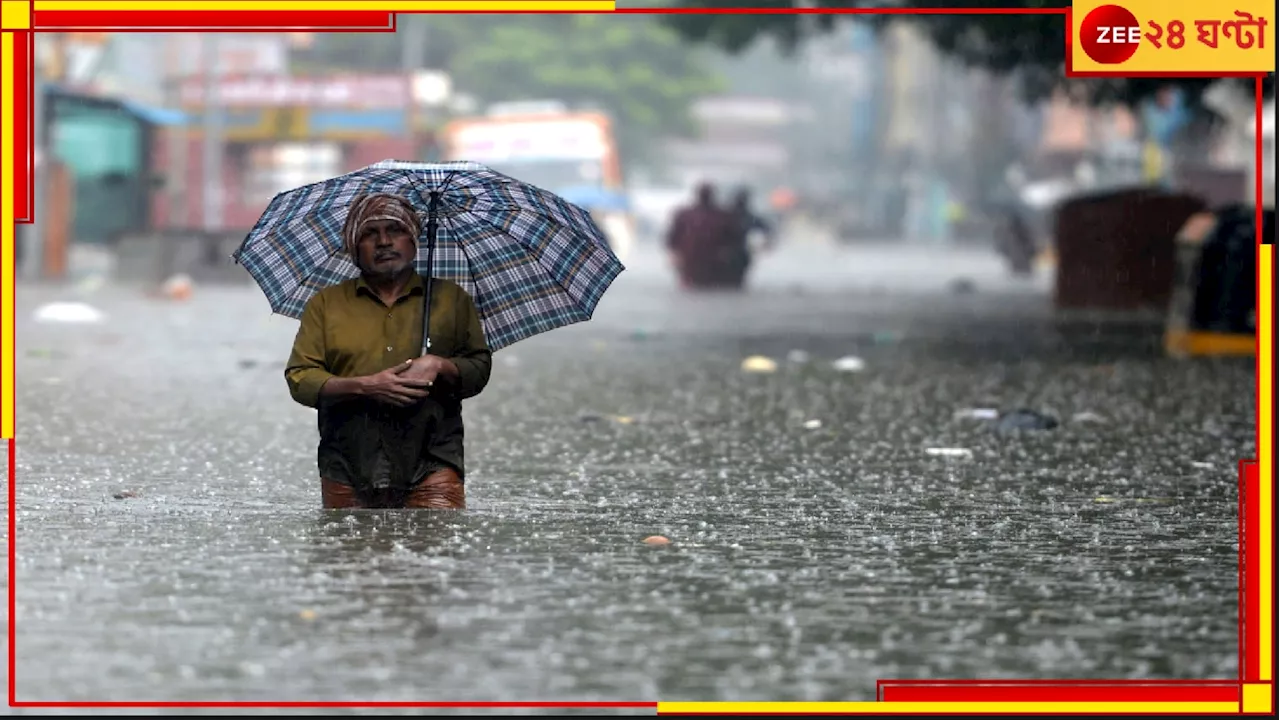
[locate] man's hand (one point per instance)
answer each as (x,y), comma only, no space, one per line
(428,369)
(395,386)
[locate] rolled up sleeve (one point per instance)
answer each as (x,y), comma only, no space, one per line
(305,372)
(474,360)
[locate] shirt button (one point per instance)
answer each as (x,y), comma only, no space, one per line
(388,315)
(388,348)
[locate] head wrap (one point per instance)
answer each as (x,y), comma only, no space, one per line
(373,208)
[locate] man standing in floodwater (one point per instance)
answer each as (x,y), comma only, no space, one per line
(391,432)
(700,241)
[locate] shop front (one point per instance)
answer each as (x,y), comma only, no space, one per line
(279,133)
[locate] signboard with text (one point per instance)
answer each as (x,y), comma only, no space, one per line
(1172,37)
(384,92)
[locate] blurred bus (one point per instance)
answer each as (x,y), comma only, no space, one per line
(571,153)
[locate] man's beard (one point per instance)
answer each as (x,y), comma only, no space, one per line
(399,270)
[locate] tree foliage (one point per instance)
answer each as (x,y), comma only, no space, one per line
(1030,46)
(632,66)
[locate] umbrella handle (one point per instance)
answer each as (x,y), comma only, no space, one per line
(433,209)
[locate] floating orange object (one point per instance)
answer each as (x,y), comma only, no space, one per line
(656,540)
(177,287)
(782,199)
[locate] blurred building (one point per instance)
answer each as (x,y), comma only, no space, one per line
(107,146)
(741,140)
(271,130)
(279,132)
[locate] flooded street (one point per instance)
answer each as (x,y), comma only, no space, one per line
(808,559)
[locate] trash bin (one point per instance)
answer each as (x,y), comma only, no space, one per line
(1115,250)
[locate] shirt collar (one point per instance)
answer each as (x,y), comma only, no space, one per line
(415,286)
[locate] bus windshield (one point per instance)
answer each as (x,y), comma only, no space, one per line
(553,174)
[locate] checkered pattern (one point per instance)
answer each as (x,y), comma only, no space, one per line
(531,261)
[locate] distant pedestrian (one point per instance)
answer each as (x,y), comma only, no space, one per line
(700,240)
(1017,244)
(748,225)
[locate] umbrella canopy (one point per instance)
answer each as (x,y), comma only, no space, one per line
(531,261)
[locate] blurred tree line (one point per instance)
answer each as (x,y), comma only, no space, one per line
(1028,47)
(635,67)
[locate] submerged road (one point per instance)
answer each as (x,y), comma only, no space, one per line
(817,545)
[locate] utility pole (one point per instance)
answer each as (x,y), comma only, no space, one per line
(30,236)
(412,47)
(179,146)
(211,165)
(50,67)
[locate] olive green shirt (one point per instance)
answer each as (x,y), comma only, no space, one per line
(347,331)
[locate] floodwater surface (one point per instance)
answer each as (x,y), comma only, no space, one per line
(170,544)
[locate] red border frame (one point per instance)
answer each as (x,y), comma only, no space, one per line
(1079,690)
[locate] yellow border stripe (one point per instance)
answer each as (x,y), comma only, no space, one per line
(1256,698)
(1262,569)
(324,5)
(7,387)
(886,708)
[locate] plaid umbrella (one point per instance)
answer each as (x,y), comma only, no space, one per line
(531,261)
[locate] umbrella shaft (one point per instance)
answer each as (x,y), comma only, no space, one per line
(433,211)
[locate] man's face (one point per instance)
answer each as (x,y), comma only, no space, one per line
(386,248)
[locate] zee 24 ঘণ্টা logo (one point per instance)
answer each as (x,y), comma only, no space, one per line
(1111,34)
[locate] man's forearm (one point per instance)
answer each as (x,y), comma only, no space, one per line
(473,374)
(447,369)
(340,388)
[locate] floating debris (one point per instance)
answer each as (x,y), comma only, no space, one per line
(1026,420)
(1108,500)
(656,540)
(68,312)
(178,287)
(1088,417)
(124,495)
(948,452)
(977,414)
(759,364)
(812,424)
(849,363)
(597,417)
